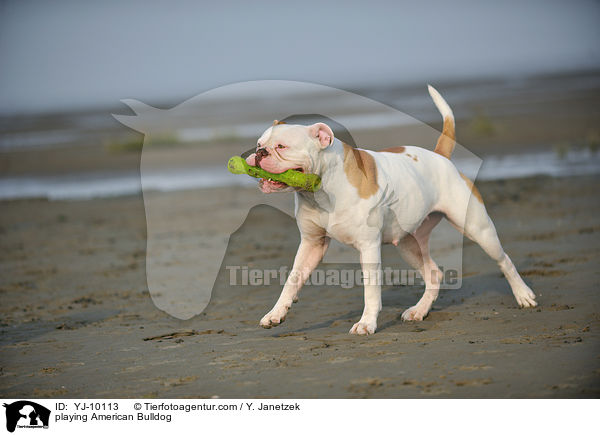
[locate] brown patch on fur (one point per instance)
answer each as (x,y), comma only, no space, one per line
(276,122)
(473,188)
(397,150)
(447,140)
(361,171)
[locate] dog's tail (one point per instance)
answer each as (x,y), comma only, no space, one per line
(447,140)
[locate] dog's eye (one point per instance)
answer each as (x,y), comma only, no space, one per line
(281,146)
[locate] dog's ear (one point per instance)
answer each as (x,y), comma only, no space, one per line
(276,122)
(322,132)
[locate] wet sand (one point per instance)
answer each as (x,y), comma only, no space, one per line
(77,319)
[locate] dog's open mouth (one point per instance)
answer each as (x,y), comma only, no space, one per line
(271,184)
(268,185)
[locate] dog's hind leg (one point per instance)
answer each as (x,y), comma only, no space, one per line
(465,210)
(414,249)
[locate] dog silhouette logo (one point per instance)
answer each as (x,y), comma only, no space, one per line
(193,253)
(26,414)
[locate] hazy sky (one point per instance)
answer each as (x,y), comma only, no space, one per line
(61,54)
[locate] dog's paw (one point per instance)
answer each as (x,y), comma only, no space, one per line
(525,298)
(414,314)
(363,327)
(273,318)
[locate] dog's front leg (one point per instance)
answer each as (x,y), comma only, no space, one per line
(309,255)
(370,260)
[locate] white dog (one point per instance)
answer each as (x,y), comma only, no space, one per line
(368,198)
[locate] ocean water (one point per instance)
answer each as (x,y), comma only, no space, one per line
(103,185)
(242,111)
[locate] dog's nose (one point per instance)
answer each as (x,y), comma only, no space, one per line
(260,154)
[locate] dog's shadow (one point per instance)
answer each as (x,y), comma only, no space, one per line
(399,298)
(450,303)
(355,314)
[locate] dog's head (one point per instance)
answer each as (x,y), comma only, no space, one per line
(286,146)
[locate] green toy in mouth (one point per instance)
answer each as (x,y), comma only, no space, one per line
(291,177)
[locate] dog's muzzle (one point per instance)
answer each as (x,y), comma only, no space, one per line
(261,153)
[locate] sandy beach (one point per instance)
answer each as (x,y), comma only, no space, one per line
(77,319)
